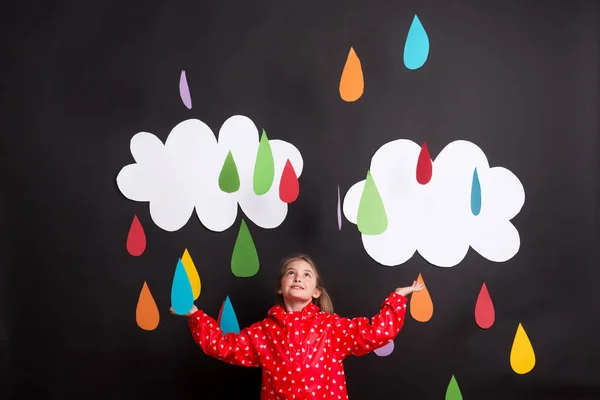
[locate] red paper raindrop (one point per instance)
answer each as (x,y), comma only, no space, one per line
(220,313)
(484,309)
(424,167)
(136,239)
(289,187)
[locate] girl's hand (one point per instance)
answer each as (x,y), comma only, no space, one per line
(192,310)
(415,287)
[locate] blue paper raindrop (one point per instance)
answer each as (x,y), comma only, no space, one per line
(475,194)
(416,47)
(182,296)
(229,322)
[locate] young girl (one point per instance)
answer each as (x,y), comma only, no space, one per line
(301,344)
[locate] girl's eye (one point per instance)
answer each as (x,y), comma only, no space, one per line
(307,275)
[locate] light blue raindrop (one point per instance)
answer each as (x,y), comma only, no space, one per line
(416,47)
(229,322)
(182,296)
(475,194)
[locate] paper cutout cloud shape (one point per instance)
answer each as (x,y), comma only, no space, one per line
(437,219)
(183,174)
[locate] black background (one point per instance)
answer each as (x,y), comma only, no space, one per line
(518,78)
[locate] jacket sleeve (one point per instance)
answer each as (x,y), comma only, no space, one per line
(232,348)
(359,336)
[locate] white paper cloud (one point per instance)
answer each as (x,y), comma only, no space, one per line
(435,219)
(183,174)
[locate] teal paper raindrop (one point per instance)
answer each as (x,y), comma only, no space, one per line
(227,319)
(416,47)
(475,194)
(182,296)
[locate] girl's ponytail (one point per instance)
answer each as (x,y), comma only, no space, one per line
(324,301)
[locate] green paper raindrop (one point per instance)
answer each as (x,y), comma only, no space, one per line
(244,260)
(453,391)
(264,167)
(229,179)
(371,218)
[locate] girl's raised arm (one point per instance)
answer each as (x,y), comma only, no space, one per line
(359,336)
(230,347)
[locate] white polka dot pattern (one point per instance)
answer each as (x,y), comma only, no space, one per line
(301,353)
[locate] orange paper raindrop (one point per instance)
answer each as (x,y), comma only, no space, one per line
(352,82)
(146,313)
(421,306)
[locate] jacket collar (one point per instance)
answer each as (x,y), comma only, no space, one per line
(279,313)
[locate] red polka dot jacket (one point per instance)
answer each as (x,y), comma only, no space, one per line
(301,353)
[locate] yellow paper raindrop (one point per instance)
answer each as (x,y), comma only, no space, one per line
(192,273)
(522,356)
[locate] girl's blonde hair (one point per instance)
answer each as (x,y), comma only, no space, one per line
(323,301)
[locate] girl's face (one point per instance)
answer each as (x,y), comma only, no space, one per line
(299,282)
